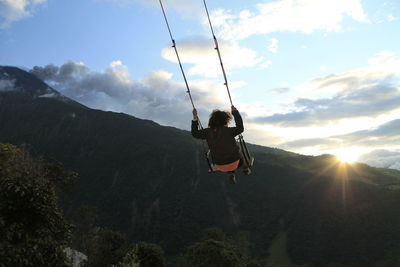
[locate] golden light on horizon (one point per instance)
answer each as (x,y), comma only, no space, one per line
(347,157)
(349,154)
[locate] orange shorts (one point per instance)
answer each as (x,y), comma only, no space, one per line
(228,167)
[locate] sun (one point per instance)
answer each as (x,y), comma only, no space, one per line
(348,155)
(348,158)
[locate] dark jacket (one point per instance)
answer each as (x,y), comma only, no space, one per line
(221,141)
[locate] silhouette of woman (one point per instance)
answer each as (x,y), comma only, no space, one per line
(225,152)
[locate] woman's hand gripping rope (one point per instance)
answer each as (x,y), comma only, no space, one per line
(195,117)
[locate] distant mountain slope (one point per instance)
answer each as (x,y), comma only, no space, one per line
(16,80)
(151,182)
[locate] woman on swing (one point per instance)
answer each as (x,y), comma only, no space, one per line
(225,153)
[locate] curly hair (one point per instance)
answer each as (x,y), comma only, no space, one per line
(219,119)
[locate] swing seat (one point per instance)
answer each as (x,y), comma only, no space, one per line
(247,162)
(212,168)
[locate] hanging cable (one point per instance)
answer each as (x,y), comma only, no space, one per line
(177,55)
(219,53)
(179,60)
(205,148)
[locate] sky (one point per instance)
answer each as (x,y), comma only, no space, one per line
(308,76)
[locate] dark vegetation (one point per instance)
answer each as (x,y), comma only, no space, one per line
(142,182)
(33,231)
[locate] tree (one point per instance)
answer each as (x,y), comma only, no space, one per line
(214,233)
(105,247)
(33,231)
(213,253)
(85,222)
(144,255)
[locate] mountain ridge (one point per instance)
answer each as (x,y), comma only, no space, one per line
(27,83)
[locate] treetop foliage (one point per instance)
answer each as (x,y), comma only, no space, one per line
(32,229)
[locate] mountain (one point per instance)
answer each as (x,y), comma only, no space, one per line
(151,183)
(25,84)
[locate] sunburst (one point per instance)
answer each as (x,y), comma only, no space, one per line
(348,155)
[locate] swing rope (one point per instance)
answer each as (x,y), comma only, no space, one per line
(219,53)
(205,148)
(179,60)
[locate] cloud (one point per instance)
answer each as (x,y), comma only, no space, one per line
(182,6)
(322,143)
(179,5)
(7,85)
(157,96)
(304,16)
(378,147)
(382,159)
(323,67)
(386,134)
(391,17)
(367,92)
(281,90)
(358,110)
(273,46)
(370,102)
(200,52)
(15,10)
(116,63)
(383,136)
